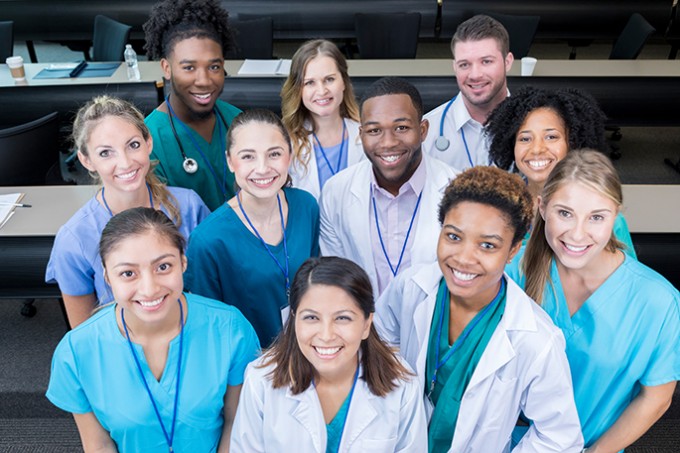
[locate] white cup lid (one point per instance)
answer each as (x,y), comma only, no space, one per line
(15,60)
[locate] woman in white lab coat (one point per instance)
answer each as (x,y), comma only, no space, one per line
(320,112)
(483,348)
(329,383)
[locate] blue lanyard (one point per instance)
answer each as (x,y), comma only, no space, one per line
(106,205)
(457,344)
(408,233)
(462,131)
(218,119)
(351,393)
(342,146)
(168,437)
(285,270)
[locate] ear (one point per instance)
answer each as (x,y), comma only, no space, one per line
(453,64)
(231,167)
(185,263)
(513,251)
(367,329)
(149,143)
(165,66)
(85,160)
(424,128)
(509,58)
(541,208)
(106,277)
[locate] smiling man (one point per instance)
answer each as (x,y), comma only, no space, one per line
(189,129)
(381,213)
(481,60)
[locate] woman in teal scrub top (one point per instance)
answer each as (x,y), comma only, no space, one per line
(619,317)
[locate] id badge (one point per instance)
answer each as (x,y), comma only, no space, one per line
(285,312)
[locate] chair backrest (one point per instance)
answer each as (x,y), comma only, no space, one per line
(6,40)
(109,39)
(387,35)
(632,39)
(28,151)
(521,30)
(254,38)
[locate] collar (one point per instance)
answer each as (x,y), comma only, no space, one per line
(416,182)
(461,116)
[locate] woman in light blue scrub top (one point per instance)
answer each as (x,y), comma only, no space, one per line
(532,130)
(620,318)
(329,383)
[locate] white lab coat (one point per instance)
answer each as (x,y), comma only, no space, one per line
(345,216)
(308,178)
(524,368)
(274,420)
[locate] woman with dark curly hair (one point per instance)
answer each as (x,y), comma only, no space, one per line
(534,129)
(483,349)
(191,38)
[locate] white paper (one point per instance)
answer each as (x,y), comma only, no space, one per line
(265,67)
(7,206)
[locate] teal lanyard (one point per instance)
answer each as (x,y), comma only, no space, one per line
(351,393)
(342,146)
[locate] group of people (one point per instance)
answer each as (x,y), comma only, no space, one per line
(477,290)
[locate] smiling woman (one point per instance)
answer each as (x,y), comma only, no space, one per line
(485,352)
(159,369)
(329,383)
(114,144)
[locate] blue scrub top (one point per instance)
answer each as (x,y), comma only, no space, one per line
(93,371)
(626,334)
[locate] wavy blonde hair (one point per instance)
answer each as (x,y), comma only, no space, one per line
(93,113)
(293,111)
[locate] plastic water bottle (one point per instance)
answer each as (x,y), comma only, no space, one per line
(131,63)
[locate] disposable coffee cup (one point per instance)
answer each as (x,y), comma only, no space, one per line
(528,65)
(16,68)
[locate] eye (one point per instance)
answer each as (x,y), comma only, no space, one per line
(135,144)
(564,213)
(246,156)
(523,139)
(453,237)
(463,66)
(188,67)
(373,131)
(487,61)
(330,79)
(402,128)
(215,67)
(597,217)
(127,274)
(104,153)
(163,267)
(275,154)
(309,83)
(488,245)
(344,318)
(309,317)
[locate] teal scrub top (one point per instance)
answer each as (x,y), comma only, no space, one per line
(215,188)
(93,371)
(626,334)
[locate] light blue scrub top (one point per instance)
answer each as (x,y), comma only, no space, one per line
(93,371)
(332,154)
(625,335)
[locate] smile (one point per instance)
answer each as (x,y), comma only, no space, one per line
(128,176)
(323,102)
(203,99)
(463,276)
(328,352)
(539,164)
(263,182)
(151,303)
(574,248)
(390,158)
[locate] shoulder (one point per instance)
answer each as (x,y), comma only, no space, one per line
(435,113)
(99,325)
(351,175)
(85,223)
(156,119)
(184,195)
(210,310)
(535,329)
(220,219)
(229,111)
(438,172)
(643,280)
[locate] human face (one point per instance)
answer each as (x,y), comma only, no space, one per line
(195,68)
(322,87)
(578,225)
(541,142)
(145,274)
(474,246)
(392,135)
(329,326)
(119,154)
(480,72)
(259,157)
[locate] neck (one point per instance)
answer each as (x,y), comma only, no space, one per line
(480,113)
(344,377)
(187,116)
(593,274)
(476,303)
(534,189)
(141,332)
(394,186)
(261,211)
(328,126)
(119,201)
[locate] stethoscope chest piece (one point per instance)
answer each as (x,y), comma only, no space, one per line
(441,143)
(190,165)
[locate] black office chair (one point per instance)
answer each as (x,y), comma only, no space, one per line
(632,39)
(29,151)
(254,39)
(6,40)
(108,40)
(521,30)
(387,35)
(628,46)
(672,33)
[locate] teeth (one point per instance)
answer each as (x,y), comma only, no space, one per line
(539,164)
(263,182)
(463,276)
(574,248)
(322,101)
(326,351)
(127,175)
(151,303)
(202,96)
(390,159)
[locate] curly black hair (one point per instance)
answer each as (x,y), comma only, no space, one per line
(176,20)
(583,119)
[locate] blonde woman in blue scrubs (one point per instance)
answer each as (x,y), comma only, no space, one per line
(620,318)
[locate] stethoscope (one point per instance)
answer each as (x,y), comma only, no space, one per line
(189,164)
(442,143)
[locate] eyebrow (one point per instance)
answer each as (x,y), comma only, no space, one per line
(314,312)
(396,120)
(323,77)
(160,258)
(251,150)
(188,61)
(483,236)
(592,212)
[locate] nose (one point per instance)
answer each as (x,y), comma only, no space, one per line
(147,284)
(475,71)
(124,160)
(538,146)
(389,139)
(579,231)
(202,77)
(327,332)
(466,253)
(261,164)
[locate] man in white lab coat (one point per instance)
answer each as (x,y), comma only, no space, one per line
(381,213)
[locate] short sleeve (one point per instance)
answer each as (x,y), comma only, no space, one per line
(65,389)
(246,348)
(69,267)
(202,274)
(664,363)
